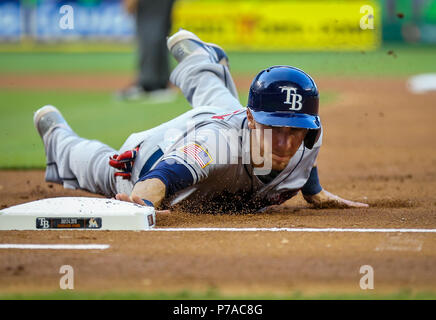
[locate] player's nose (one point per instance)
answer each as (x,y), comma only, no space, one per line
(283,141)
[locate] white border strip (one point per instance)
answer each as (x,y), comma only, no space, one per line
(55,246)
(296,230)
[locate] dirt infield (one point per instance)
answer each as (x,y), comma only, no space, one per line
(378,147)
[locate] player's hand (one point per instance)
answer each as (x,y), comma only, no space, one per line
(132,198)
(325,199)
(137,200)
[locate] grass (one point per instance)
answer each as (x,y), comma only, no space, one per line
(403,60)
(92,115)
(214,295)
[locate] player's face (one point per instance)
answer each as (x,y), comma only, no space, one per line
(285,143)
(282,145)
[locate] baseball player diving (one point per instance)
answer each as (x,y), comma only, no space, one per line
(217,157)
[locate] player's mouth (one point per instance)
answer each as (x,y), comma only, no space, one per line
(280,158)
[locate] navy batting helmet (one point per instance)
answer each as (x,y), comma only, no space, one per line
(284,96)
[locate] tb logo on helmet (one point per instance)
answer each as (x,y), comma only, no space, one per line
(296,98)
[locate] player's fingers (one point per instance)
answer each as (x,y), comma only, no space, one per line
(123,197)
(163,212)
(330,197)
(357,204)
(339,204)
(138,200)
(343,203)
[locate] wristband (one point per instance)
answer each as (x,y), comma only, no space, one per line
(312,185)
(148,203)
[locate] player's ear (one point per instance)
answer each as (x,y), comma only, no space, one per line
(251,122)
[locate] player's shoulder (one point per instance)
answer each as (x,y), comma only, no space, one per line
(234,115)
(220,117)
(231,120)
(227,124)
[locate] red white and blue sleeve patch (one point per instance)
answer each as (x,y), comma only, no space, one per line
(198,154)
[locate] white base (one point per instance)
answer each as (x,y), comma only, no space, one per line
(422,83)
(77,213)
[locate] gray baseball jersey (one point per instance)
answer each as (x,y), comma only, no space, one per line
(216,151)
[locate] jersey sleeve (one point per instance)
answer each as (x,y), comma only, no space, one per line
(175,176)
(190,161)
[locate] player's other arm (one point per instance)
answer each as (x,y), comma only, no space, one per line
(313,193)
(166,179)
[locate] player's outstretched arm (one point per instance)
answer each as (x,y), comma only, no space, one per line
(313,193)
(152,190)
